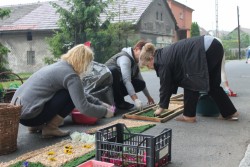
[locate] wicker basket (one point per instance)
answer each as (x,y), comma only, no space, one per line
(7,95)
(9,123)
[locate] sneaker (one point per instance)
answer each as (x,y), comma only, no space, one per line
(125,106)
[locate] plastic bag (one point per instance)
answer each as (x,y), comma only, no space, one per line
(98,83)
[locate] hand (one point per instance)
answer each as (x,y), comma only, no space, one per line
(112,108)
(138,104)
(150,100)
(158,111)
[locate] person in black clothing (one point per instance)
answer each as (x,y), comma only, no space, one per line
(195,65)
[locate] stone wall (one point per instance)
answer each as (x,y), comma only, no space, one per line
(157,25)
(18,44)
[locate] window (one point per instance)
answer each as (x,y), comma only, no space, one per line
(29,36)
(30,57)
(157,15)
(161,17)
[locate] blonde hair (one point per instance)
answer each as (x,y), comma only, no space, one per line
(147,50)
(80,57)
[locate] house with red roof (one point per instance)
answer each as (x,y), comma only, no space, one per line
(25,31)
(183,17)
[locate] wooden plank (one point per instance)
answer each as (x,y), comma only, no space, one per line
(145,118)
(176,102)
(147,107)
(176,99)
(161,119)
(177,96)
(144,110)
(175,108)
(165,114)
(174,114)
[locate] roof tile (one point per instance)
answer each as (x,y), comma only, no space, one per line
(42,16)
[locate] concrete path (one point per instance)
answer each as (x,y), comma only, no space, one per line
(208,143)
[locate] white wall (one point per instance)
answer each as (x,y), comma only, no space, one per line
(18,45)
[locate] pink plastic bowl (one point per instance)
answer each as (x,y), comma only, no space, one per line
(94,163)
(79,118)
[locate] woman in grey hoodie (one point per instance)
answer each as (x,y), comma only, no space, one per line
(52,92)
(127,78)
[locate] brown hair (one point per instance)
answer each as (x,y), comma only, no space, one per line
(140,44)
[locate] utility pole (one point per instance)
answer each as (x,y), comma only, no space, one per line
(119,26)
(238,16)
(216,19)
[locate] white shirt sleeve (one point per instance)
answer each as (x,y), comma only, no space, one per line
(223,71)
(125,64)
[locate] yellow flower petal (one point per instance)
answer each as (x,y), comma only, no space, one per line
(52,159)
(68,147)
(68,151)
(87,146)
(51,153)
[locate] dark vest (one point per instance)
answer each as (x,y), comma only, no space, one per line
(113,62)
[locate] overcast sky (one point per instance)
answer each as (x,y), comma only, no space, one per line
(204,12)
(15,2)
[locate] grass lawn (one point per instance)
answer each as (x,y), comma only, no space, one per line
(13,81)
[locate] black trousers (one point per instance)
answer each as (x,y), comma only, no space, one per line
(61,104)
(119,89)
(214,57)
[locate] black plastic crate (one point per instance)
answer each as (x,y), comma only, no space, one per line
(117,145)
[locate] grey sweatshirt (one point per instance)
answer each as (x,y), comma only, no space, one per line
(43,84)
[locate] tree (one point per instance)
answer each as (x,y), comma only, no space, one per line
(81,22)
(231,44)
(195,30)
(3,50)
(110,40)
(74,22)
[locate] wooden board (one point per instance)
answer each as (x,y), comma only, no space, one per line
(176,107)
